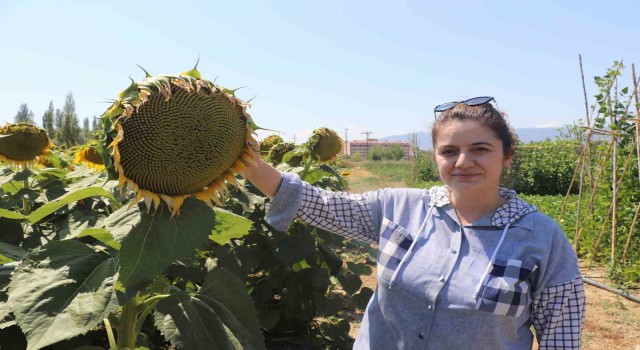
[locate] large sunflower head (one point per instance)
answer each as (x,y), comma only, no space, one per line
(325,145)
(23,144)
(178,136)
(90,156)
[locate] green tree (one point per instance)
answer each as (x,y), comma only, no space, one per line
(58,122)
(86,130)
(48,121)
(377,153)
(388,152)
(424,166)
(24,115)
(71,133)
(395,152)
(95,125)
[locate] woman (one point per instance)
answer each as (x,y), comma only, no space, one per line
(467,265)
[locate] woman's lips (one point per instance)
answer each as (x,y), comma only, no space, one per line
(465,176)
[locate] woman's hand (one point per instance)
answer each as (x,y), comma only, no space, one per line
(265,177)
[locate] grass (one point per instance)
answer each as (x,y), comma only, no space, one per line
(387,173)
(389,170)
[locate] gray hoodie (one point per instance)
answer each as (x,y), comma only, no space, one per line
(442,285)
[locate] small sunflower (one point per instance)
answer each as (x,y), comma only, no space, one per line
(278,151)
(325,145)
(176,136)
(88,156)
(23,145)
(268,143)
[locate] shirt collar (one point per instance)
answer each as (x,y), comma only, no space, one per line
(508,213)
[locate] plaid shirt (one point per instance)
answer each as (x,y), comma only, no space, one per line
(530,282)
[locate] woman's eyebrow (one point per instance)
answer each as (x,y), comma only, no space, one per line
(481,143)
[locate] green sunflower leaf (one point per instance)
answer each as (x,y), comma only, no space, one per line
(53,206)
(4,213)
(12,251)
(151,241)
(228,226)
(220,316)
(102,235)
(61,291)
(79,220)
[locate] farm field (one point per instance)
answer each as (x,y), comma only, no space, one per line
(612,322)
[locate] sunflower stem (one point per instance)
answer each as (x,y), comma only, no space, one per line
(110,336)
(26,203)
(127,334)
(307,166)
(148,306)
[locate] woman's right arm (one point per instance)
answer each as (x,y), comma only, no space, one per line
(265,177)
(343,213)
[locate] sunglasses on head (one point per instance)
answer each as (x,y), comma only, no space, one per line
(475,101)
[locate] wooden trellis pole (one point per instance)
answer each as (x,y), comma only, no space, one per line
(583,158)
(615,183)
(595,246)
(593,193)
(604,226)
(614,179)
(633,226)
(584,214)
(637,121)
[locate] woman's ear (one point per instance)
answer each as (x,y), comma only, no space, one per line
(508,158)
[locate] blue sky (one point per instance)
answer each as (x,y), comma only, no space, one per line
(377,66)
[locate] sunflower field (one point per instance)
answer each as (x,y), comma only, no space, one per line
(147,238)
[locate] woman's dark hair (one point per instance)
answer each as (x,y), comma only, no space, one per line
(487,116)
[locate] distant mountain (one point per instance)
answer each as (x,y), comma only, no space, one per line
(525,135)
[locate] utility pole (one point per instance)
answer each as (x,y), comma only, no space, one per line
(346,141)
(367,133)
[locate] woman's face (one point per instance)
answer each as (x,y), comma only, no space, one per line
(469,157)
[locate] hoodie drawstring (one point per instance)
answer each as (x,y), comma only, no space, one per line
(491,261)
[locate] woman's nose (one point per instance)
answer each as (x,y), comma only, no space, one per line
(464,161)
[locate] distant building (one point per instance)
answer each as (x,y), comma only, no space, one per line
(364,147)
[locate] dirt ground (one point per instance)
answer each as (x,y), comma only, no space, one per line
(612,322)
